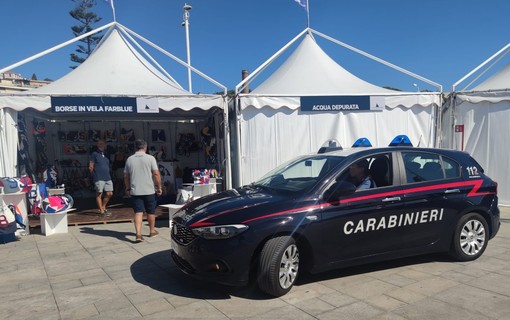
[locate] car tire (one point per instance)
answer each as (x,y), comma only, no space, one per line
(278,266)
(470,238)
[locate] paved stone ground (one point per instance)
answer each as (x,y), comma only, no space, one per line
(97,272)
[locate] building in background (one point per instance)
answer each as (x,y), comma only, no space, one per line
(15,82)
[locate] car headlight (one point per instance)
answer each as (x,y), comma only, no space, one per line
(220,232)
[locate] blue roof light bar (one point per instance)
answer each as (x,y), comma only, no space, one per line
(362,142)
(401,140)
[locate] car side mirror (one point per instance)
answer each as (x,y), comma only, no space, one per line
(339,189)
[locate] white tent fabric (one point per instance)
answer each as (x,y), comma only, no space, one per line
(482,117)
(270,137)
(272,129)
(498,81)
(114,69)
(8,142)
(485,118)
(310,71)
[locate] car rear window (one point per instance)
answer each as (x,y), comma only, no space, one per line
(426,166)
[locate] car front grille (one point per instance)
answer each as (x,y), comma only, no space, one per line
(181,234)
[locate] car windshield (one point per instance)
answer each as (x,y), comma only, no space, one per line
(300,174)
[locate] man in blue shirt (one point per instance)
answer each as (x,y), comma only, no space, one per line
(99,167)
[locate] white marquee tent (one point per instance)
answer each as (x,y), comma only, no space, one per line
(272,128)
(116,68)
(477,120)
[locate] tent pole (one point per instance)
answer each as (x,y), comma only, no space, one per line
(454,86)
(43,53)
(185,23)
(409,73)
(228,163)
(255,73)
(238,141)
(149,56)
(177,59)
(484,71)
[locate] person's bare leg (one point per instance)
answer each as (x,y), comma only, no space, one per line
(107,197)
(138,223)
(99,202)
(151,218)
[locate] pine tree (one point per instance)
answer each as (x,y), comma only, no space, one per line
(82,12)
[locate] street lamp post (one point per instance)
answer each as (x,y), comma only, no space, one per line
(185,23)
(417,87)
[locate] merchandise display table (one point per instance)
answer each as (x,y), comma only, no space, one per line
(200,190)
(52,223)
(172,208)
(55,191)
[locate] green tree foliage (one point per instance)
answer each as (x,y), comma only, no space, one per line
(82,12)
(230,93)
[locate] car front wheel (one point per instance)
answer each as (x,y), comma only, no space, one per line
(278,266)
(470,238)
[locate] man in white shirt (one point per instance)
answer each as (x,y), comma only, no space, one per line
(142,181)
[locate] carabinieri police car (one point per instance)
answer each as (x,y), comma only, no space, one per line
(311,214)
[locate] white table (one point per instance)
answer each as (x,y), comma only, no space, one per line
(52,223)
(200,190)
(172,209)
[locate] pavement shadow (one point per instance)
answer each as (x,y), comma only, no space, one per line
(123,236)
(158,271)
(305,278)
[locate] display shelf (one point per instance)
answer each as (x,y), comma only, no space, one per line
(52,223)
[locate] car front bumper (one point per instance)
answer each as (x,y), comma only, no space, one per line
(226,261)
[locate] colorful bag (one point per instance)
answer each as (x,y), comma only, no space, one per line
(26,183)
(18,216)
(7,219)
(11,185)
(57,203)
(36,196)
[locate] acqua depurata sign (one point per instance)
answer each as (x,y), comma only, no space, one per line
(104,105)
(341,103)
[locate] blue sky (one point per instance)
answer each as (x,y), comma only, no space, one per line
(441,40)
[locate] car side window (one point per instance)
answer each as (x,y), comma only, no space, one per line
(451,168)
(369,172)
(422,166)
(381,170)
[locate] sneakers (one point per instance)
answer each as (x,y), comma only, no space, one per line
(139,238)
(154,234)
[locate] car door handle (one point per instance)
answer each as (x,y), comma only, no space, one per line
(390,199)
(452,191)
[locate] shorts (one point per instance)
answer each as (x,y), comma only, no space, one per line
(145,203)
(102,185)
